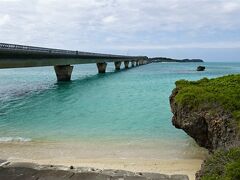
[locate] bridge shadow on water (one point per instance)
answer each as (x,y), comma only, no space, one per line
(63,90)
(86,83)
(89,79)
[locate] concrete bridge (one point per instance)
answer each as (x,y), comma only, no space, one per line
(19,56)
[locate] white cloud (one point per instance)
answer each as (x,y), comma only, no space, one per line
(230,7)
(207,45)
(9,0)
(103,24)
(109,19)
(4,19)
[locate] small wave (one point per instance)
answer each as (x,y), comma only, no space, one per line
(14,139)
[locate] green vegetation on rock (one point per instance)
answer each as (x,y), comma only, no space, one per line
(210,94)
(223,165)
(209,111)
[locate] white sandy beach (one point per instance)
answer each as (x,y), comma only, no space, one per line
(103,157)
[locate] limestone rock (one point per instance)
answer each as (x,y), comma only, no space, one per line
(30,171)
(209,130)
(201,68)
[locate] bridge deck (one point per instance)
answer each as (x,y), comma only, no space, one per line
(16,56)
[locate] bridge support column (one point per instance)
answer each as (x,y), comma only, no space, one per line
(63,72)
(133,63)
(102,67)
(126,64)
(137,63)
(118,65)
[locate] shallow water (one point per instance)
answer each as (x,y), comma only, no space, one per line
(120,110)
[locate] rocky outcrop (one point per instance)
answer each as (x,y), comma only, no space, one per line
(30,171)
(209,111)
(201,68)
(211,129)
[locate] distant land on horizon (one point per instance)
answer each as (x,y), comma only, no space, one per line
(165,59)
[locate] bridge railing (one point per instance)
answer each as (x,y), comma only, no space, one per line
(36,49)
(52,51)
(6,46)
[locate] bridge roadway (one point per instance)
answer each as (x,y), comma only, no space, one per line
(19,56)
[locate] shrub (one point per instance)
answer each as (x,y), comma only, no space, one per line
(223,165)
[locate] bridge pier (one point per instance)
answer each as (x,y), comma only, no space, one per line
(118,65)
(102,67)
(133,63)
(137,63)
(126,64)
(63,72)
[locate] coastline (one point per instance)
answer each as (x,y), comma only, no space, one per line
(168,167)
(74,155)
(172,154)
(26,170)
(208,110)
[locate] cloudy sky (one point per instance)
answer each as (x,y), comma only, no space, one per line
(208,29)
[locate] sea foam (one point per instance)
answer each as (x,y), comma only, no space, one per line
(14,139)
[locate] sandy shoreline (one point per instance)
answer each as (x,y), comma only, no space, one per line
(24,170)
(169,167)
(103,157)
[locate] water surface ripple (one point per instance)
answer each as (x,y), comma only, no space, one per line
(128,107)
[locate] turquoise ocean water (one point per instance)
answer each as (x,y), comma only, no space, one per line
(130,105)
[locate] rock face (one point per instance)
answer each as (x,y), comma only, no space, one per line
(29,171)
(201,68)
(209,130)
(209,111)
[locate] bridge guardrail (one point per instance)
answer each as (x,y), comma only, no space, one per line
(5,46)
(36,49)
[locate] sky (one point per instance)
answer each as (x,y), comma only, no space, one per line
(206,29)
